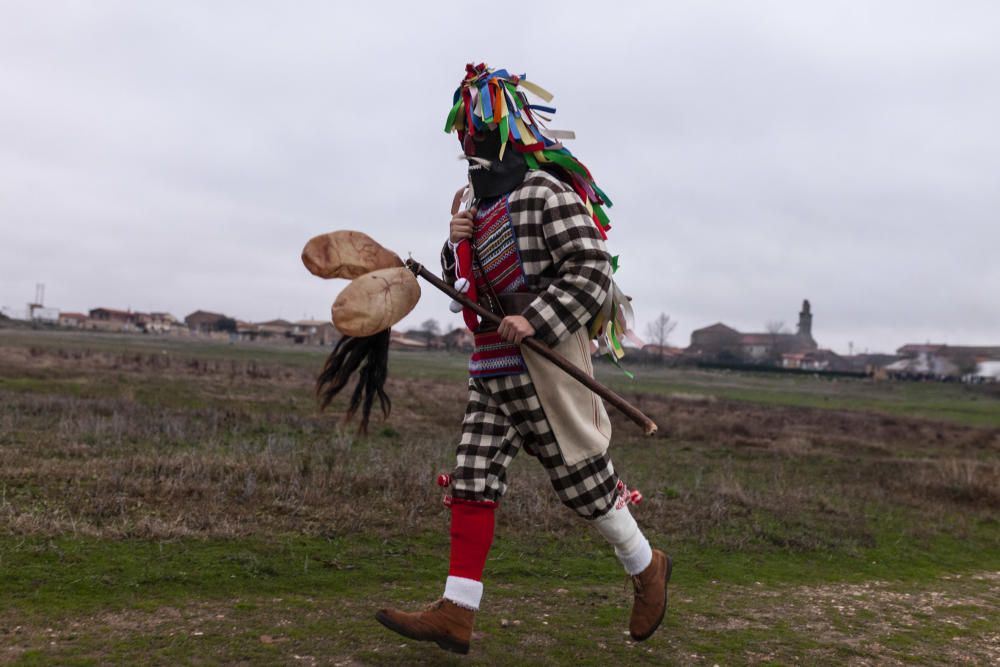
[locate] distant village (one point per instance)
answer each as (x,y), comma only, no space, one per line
(218,326)
(724,346)
(717,345)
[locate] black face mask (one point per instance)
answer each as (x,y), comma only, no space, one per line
(502,176)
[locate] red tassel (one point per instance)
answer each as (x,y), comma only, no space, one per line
(627,497)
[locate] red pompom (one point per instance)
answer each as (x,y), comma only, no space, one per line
(635,497)
(444,479)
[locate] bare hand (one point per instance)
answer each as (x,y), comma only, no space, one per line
(461,225)
(515,328)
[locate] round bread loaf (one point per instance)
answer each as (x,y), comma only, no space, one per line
(375,301)
(346,254)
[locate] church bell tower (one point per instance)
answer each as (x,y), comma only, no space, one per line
(805,321)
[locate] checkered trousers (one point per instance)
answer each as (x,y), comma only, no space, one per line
(503,415)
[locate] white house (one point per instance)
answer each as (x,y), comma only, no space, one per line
(14,313)
(986,371)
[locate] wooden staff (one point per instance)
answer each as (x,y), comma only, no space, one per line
(626,408)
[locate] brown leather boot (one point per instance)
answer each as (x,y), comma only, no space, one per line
(650,596)
(443,622)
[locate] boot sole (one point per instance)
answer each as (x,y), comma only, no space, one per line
(442,642)
(666,598)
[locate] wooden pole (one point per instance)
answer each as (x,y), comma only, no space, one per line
(626,408)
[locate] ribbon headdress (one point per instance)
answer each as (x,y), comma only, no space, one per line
(489,99)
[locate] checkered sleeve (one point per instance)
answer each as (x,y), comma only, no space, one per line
(448,263)
(582,263)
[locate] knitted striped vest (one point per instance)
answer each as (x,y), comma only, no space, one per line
(499,263)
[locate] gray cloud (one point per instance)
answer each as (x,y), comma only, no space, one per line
(178,155)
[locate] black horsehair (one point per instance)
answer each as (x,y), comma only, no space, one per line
(369,356)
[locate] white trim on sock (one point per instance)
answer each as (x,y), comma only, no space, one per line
(631,546)
(464,592)
(638,560)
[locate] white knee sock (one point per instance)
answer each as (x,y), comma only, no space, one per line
(631,546)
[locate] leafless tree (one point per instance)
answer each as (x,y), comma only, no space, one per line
(430,329)
(658,332)
(775,327)
(966,362)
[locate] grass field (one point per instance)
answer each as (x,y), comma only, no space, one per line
(172,501)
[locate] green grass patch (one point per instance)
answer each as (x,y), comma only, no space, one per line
(552,601)
(46,576)
(798,535)
(930,400)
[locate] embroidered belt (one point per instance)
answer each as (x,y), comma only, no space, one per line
(494,356)
(512,303)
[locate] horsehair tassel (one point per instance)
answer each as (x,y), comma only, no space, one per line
(369,356)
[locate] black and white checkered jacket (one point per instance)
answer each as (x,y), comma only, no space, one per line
(563,256)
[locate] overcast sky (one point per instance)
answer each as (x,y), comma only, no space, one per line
(177,155)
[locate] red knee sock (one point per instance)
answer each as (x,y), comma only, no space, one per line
(471,537)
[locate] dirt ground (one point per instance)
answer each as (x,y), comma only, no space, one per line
(803,534)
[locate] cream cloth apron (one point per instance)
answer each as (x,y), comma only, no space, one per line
(575,413)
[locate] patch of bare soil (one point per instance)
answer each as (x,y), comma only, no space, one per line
(952,621)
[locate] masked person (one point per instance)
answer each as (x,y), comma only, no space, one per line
(531,249)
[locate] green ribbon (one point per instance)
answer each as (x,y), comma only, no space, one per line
(504,130)
(600,192)
(449,124)
(565,162)
(513,93)
(602,217)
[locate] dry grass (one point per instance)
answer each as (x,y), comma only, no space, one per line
(152,445)
(776,517)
